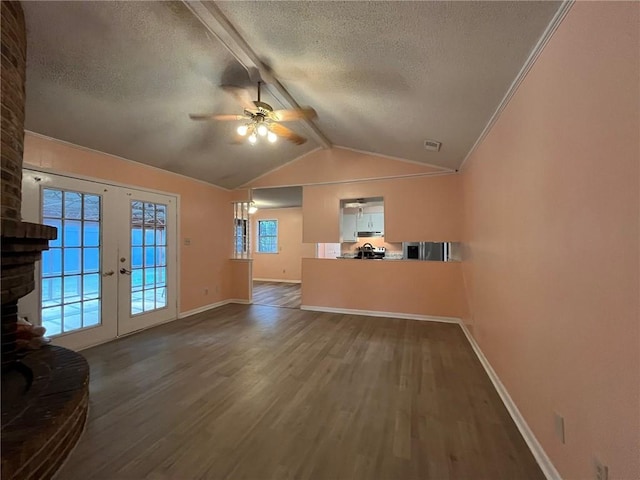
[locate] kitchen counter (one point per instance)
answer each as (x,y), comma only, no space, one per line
(391,260)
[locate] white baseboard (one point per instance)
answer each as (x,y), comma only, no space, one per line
(538,452)
(375,313)
(204,308)
(211,306)
(241,301)
(278,280)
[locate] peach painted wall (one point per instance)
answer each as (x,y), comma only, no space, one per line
(338,165)
(287,263)
(552,261)
(415,208)
(410,287)
(239,278)
(240,195)
(205,212)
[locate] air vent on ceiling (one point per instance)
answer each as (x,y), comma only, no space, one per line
(432,145)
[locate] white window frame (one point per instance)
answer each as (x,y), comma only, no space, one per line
(241,218)
(270,236)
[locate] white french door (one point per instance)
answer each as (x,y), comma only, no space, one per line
(146,260)
(112,269)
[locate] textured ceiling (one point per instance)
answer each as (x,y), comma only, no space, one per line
(121,77)
(281,197)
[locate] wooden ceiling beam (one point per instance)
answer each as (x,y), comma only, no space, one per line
(219,25)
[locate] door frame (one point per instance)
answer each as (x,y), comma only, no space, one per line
(127,323)
(35,170)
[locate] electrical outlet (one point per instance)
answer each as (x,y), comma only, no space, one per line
(601,471)
(187,241)
(206,291)
(559,426)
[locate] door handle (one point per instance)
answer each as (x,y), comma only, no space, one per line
(124,271)
(108,274)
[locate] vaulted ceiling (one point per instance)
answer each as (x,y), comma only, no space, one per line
(122,77)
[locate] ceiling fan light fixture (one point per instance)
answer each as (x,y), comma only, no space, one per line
(262,129)
(259,118)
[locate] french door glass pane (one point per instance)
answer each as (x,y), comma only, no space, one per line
(148,257)
(71,297)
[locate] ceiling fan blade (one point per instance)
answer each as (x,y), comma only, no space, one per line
(211,116)
(284,132)
(241,95)
(293,114)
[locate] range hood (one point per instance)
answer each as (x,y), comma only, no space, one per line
(370,234)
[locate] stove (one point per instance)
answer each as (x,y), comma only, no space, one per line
(371,253)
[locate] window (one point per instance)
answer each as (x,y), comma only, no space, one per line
(267,236)
(71,296)
(148,257)
(241,230)
(241,236)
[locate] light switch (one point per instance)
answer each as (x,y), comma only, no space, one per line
(187,241)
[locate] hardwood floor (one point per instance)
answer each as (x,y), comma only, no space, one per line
(256,392)
(277,294)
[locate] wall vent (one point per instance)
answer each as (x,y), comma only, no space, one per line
(432,145)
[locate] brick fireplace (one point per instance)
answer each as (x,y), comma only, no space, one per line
(44,392)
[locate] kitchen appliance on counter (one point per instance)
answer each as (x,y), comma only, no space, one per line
(433,251)
(368,251)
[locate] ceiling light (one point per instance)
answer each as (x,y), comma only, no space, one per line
(252,208)
(262,129)
(242,130)
(272,137)
(253,138)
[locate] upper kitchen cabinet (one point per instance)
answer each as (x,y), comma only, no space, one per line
(365,215)
(371,220)
(348,226)
(377,222)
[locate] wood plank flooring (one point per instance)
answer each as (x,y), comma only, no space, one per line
(277,294)
(257,392)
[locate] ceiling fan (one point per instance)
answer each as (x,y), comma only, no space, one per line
(260,119)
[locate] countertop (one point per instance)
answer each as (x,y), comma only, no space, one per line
(393,260)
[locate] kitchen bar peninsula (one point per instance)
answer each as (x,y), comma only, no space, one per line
(408,288)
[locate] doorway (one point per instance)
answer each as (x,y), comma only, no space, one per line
(277,294)
(277,246)
(113,268)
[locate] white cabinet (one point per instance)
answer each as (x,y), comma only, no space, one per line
(377,222)
(360,219)
(348,228)
(371,222)
(363,223)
